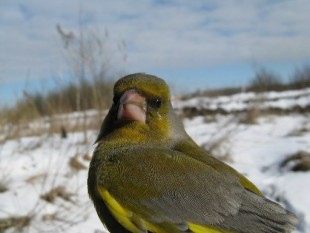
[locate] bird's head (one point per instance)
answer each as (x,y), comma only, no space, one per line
(142,110)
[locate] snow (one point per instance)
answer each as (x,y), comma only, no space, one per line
(32,166)
(242,101)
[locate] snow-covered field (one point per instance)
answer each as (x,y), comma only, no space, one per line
(43,178)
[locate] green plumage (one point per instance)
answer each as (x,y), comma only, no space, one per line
(151,176)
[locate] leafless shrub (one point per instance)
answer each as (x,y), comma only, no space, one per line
(300,78)
(89,56)
(265,81)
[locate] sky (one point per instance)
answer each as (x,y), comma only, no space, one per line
(193,45)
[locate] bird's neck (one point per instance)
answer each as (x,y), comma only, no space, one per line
(135,136)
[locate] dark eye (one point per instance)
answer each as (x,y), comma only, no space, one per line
(158,103)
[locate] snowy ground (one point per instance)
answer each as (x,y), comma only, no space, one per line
(285,100)
(44,177)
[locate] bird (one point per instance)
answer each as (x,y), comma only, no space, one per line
(147,175)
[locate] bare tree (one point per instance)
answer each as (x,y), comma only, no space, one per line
(90,56)
(301,77)
(265,80)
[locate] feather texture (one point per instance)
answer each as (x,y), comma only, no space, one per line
(148,175)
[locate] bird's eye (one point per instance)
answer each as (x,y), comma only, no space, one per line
(158,103)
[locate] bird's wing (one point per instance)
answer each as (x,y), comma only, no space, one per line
(163,186)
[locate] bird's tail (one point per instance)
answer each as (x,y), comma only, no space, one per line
(258,214)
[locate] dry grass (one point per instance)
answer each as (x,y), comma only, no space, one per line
(251,115)
(33,179)
(75,106)
(51,184)
(298,162)
(302,129)
(16,119)
(53,124)
(57,192)
(18,223)
(3,186)
(51,114)
(218,142)
(75,164)
(4,181)
(87,157)
(253,112)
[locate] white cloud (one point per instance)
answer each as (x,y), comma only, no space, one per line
(175,34)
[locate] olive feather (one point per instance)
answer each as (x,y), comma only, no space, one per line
(148,175)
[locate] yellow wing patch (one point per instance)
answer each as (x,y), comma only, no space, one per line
(206,229)
(127,218)
(124,216)
(136,224)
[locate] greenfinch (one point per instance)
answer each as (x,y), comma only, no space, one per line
(148,175)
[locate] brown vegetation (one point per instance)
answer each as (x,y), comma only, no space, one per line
(57,192)
(262,81)
(89,86)
(300,161)
(14,222)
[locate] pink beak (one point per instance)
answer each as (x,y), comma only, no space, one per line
(132,107)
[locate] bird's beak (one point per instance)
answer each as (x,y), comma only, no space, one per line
(132,106)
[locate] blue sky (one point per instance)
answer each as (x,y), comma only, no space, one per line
(193,45)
